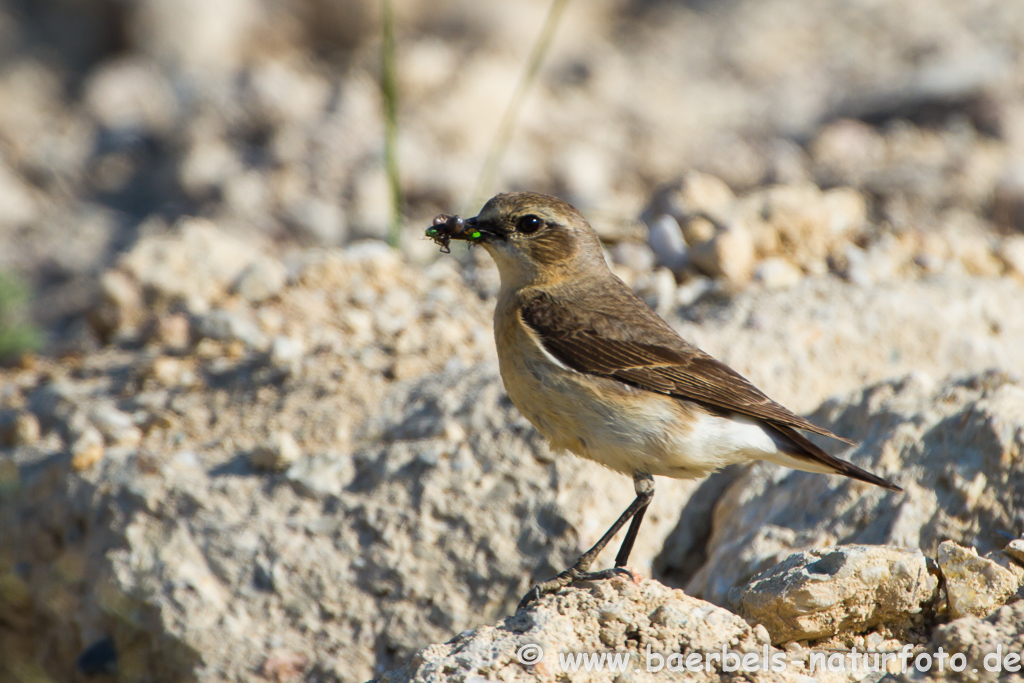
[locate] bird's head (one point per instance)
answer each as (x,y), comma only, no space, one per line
(534,239)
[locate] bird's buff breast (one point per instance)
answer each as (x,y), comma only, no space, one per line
(603,420)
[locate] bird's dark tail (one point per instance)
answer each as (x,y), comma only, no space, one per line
(810,458)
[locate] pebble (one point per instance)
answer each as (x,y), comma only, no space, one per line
(277,454)
(1011,253)
(87,449)
(325,474)
(633,255)
(689,292)
(1015,549)
(262,279)
(729,255)
(286,352)
(698,230)
(118,428)
(25,431)
(230,326)
(665,238)
(174,331)
(777,273)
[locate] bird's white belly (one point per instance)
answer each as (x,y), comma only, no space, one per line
(623,428)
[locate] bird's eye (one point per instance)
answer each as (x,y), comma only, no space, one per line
(529,224)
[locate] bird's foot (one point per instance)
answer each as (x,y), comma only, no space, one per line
(569,577)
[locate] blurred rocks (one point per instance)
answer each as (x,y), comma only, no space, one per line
(266,118)
(820,593)
(276,454)
(666,242)
(261,280)
(195,265)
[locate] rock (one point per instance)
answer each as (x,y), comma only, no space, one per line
(24,431)
(321,475)
(363,541)
(286,352)
(20,206)
(174,331)
(950,442)
(639,258)
(277,454)
(846,588)
(729,255)
(317,222)
(121,311)
(804,344)
(695,194)
(974,585)
(1015,549)
(1011,252)
(666,241)
(1008,202)
(698,230)
(195,37)
(801,223)
(987,645)
(118,428)
(131,97)
(263,278)
(777,273)
(228,326)
(652,628)
(87,450)
(197,264)
(1006,561)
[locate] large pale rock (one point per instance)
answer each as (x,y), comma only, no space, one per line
(823,592)
(652,628)
(974,585)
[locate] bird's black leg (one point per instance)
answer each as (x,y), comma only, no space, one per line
(627,543)
(644,484)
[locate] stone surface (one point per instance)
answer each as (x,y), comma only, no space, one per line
(847,588)
(974,585)
(276,454)
(984,642)
(666,241)
(653,629)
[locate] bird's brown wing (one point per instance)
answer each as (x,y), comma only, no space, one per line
(662,362)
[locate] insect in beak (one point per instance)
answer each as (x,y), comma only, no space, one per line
(446,228)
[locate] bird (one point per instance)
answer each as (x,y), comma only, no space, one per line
(598,373)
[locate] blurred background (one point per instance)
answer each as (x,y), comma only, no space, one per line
(117,117)
(262,435)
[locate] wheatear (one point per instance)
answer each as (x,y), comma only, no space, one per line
(598,373)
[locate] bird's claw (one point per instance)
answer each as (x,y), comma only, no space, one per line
(568,577)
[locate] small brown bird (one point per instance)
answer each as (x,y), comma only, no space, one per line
(598,373)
